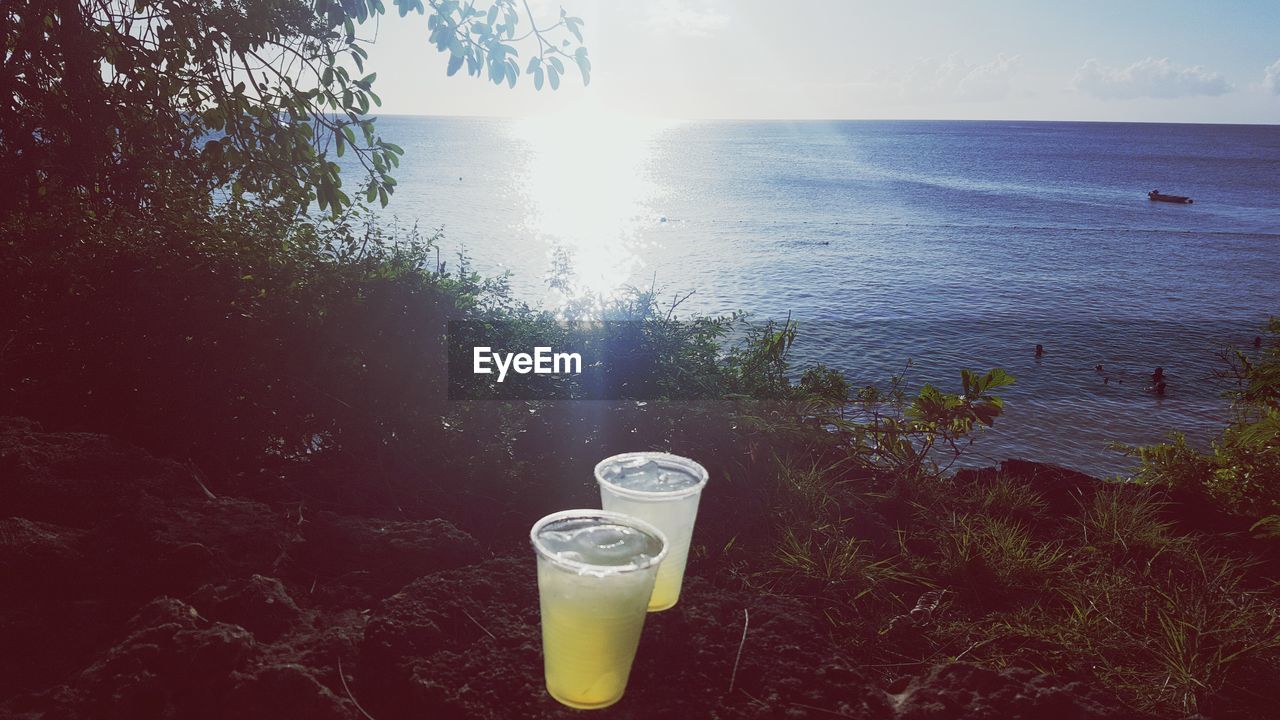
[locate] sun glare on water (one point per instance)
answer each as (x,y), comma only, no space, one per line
(588,193)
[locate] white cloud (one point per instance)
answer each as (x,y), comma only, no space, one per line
(954,79)
(692,18)
(1271,78)
(1147,78)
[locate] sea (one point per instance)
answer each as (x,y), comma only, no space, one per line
(921,247)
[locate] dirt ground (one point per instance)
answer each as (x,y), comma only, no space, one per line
(128,591)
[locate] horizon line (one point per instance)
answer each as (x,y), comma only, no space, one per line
(465,116)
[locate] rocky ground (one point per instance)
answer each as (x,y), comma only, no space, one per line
(128,590)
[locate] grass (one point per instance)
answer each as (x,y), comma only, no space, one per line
(1130,591)
(854,518)
(806,491)
(1186,637)
(1210,626)
(990,555)
(1011,498)
(1114,592)
(1126,520)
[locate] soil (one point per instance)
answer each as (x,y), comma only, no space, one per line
(127,590)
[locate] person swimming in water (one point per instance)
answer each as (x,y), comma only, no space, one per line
(1158,384)
(1039,350)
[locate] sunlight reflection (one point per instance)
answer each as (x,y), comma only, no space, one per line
(589,193)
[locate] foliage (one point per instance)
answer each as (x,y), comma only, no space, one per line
(1172,639)
(1241,470)
(1011,499)
(262,347)
(1128,522)
(271,348)
(1112,592)
(239,333)
(1187,635)
(902,438)
(155,103)
(228,337)
(986,555)
(839,564)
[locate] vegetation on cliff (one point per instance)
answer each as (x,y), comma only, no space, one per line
(158,284)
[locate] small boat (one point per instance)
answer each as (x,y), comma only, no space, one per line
(1157,196)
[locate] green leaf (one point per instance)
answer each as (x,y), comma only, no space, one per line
(584,65)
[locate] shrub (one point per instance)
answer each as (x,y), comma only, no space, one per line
(1240,473)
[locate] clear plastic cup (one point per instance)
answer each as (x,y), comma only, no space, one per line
(663,489)
(596,571)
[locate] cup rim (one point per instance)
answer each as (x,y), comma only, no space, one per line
(648,495)
(585,568)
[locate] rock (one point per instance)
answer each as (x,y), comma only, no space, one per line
(386,553)
(104,539)
(42,575)
(467,643)
(175,662)
(961,690)
(76,479)
(80,583)
(455,642)
(1062,488)
(38,552)
(173,547)
(259,604)
(170,663)
(286,691)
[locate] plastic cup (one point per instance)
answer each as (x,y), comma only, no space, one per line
(596,571)
(663,489)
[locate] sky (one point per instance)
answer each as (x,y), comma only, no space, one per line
(1118,60)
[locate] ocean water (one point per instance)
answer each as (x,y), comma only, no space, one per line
(954,244)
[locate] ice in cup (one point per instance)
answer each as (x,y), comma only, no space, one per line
(664,490)
(596,571)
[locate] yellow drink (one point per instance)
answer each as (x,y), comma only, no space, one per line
(596,572)
(664,490)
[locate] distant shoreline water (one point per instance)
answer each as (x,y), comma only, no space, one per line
(956,243)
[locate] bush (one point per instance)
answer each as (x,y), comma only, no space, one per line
(250,341)
(226,337)
(1240,473)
